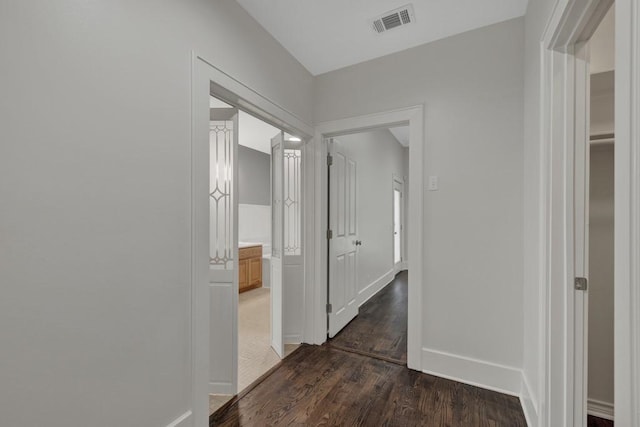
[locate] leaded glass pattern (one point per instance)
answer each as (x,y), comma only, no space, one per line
(220,192)
(292,202)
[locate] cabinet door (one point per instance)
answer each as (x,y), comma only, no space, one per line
(255,271)
(244,274)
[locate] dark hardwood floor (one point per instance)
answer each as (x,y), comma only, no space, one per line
(598,422)
(359,379)
(322,385)
(380,329)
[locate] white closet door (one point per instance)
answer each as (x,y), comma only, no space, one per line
(277,245)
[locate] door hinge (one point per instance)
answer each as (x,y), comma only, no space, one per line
(329,308)
(580,284)
(329,234)
(329,159)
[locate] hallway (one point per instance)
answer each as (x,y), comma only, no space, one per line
(358,379)
(380,329)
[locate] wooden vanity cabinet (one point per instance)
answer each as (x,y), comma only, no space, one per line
(250,267)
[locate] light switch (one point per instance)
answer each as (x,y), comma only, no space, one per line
(433,183)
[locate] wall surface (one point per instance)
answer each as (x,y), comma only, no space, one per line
(379,157)
(95,189)
(472,88)
(601,291)
(602,103)
(254,176)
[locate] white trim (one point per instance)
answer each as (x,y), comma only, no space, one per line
(627,213)
(204,76)
(467,370)
(562,382)
(417,149)
(182,421)
(529,402)
(374,287)
(600,409)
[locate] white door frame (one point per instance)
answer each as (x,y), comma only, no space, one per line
(414,117)
(564,92)
(206,76)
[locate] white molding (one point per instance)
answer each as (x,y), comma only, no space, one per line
(467,370)
(627,213)
(414,116)
(204,76)
(562,358)
(182,421)
(600,409)
(529,403)
(374,287)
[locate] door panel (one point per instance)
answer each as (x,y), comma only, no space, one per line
(277,244)
(343,248)
(223,266)
(398,214)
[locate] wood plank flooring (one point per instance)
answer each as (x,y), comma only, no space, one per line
(359,379)
(380,329)
(322,385)
(598,422)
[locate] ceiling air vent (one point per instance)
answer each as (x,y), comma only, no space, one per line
(393,19)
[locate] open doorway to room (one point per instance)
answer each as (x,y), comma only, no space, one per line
(267,216)
(368,286)
(600,318)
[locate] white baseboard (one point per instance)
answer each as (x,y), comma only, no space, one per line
(222,388)
(488,375)
(293,339)
(182,421)
(600,409)
(375,287)
(402,266)
(529,403)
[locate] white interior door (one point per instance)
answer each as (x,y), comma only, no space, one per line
(343,237)
(277,243)
(223,250)
(293,276)
(397,222)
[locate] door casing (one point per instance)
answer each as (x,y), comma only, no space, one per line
(207,79)
(414,118)
(564,126)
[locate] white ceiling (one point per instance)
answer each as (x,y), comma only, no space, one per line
(603,44)
(326,35)
(252,132)
(402,135)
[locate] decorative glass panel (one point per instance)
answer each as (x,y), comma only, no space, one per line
(292,202)
(220,190)
(276,201)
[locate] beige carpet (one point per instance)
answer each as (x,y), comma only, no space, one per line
(255,355)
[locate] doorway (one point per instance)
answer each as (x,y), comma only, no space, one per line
(600,232)
(412,118)
(255,190)
(566,55)
(398,200)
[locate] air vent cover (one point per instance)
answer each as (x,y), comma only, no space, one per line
(393,19)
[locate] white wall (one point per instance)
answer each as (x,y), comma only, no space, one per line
(601,313)
(472,88)
(378,156)
(602,106)
(95,189)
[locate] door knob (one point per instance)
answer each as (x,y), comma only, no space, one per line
(358,242)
